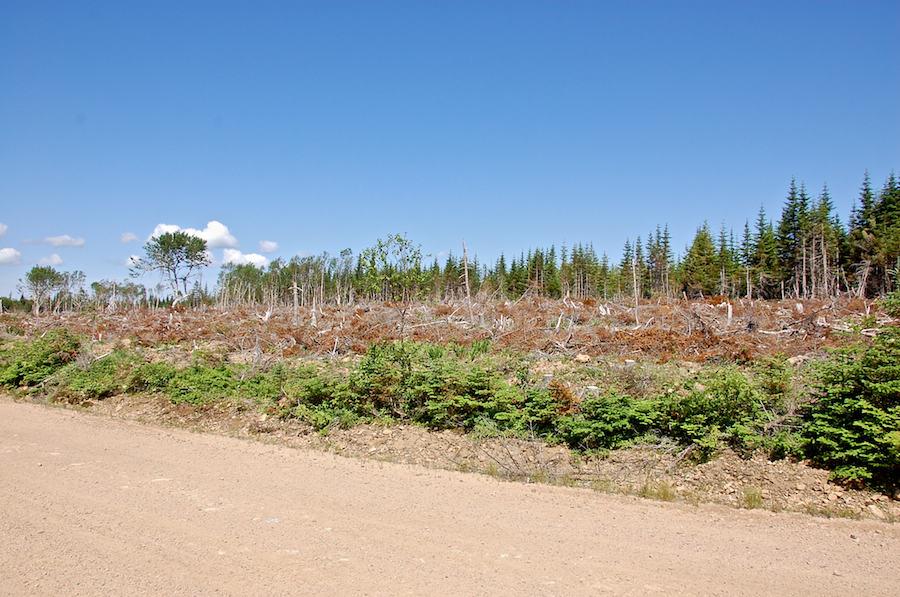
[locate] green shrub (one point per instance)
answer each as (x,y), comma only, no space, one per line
(712,411)
(419,382)
(449,394)
(199,385)
(773,380)
(854,426)
(540,412)
(379,381)
(150,377)
(891,303)
(101,378)
(748,411)
(25,363)
(607,421)
(306,386)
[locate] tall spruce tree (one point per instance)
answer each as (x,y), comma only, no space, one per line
(700,268)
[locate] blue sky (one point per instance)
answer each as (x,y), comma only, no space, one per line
(320,126)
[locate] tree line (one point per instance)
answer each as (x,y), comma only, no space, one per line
(807,253)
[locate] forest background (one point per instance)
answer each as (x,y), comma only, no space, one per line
(808,252)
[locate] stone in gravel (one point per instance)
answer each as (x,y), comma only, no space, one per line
(876,511)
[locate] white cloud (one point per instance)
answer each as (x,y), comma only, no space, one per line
(3,229)
(268,246)
(10,257)
(52,261)
(163,229)
(132,261)
(129,237)
(64,241)
(215,234)
(236,257)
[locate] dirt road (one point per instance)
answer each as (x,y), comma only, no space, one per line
(97,506)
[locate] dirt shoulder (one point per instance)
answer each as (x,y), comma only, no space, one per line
(663,472)
(95,505)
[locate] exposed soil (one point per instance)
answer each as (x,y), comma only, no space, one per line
(92,505)
(662,330)
(663,473)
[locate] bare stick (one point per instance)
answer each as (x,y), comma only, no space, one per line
(466,271)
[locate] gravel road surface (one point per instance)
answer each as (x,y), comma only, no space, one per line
(97,506)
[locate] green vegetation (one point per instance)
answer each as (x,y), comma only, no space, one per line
(854,425)
(807,252)
(848,420)
(28,363)
(178,255)
(49,289)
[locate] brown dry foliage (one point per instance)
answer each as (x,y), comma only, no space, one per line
(663,329)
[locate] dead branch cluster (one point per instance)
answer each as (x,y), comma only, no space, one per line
(730,330)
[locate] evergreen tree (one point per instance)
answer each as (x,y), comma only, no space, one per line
(765,257)
(552,285)
(605,275)
(791,237)
(862,216)
(725,256)
(638,268)
(626,279)
(700,268)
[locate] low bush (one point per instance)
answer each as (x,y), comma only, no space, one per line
(607,421)
(27,363)
(199,385)
(150,377)
(96,379)
(854,425)
(428,385)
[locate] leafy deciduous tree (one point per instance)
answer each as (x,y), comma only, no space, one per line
(178,255)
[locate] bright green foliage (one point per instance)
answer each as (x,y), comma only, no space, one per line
(380,380)
(25,363)
(700,269)
(854,427)
(440,386)
(198,385)
(607,421)
(178,255)
(392,269)
(103,377)
(709,414)
(456,395)
(731,407)
(418,382)
(891,303)
(150,377)
(540,412)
